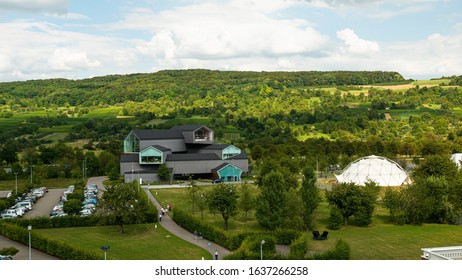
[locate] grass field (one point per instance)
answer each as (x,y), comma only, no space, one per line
(139,242)
(7,185)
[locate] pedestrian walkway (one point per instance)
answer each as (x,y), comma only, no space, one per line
(175,229)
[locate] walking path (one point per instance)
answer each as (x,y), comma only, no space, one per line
(175,229)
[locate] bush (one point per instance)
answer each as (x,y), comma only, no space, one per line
(336,219)
(340,252)
(299,247)
(11,251)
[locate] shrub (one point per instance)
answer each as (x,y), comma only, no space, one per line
(336,219)
(299,247)
(10,251)
(340,252)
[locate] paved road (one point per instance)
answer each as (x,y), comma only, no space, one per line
(44,205)
(173,228)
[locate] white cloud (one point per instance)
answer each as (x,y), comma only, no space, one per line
(52,52)
(356,45)
(67,60)
(210,31)
(50,6)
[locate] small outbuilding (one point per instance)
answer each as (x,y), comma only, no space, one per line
(381,170)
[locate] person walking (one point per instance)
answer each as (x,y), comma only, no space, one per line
(160,217)
(216,254)
(209,244)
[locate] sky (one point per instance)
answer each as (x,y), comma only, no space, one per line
(77,39)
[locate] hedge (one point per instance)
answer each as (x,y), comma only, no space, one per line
(226,239)
(42,243)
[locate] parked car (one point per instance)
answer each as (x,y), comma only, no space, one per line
(31,198)
(217,181)
(8,212)
(8,216)
(89,201)
(38,193)
(20,211)
(26,204)
(93,188)
(86,212)
(2,257)
(54,213)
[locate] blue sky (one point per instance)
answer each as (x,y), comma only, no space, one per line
(86,38)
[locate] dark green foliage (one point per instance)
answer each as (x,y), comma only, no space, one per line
(164,172)
(223,198)
(271,202)
(247,200)
(10,251)
(309,194)
(122,204)
(352,200)
(293,211)
(299,247)
(436,165)
(72,206)
(336,219)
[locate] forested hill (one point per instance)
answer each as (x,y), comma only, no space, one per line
(117,89)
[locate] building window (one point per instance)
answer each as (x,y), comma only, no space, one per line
(132,144)
(151,159)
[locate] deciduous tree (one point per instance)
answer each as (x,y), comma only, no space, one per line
(223,198)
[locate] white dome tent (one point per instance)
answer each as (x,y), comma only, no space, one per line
(457,158)
(381,170)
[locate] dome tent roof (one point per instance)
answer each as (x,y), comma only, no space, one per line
(380,170)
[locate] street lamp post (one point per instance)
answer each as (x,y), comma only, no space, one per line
(261,249)
(105,249)
(16,177)
(29,228)
(31,174)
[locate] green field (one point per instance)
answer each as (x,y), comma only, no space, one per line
(139,242)
(7,185)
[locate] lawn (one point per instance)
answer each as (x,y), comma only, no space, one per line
(179,198)
(60,183)
(382,240)
(139,242)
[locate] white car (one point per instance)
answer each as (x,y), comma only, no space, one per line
(86,212)
(38,193)
(9,214)
(25,204)
(20,211)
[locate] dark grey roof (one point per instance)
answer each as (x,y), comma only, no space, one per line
(187,127)
(191,157)
(242,155)
(220,166)
(129,158)
(153,134)
(215,147)
(160,148)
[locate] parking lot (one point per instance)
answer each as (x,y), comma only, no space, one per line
(44,205)
(42,208)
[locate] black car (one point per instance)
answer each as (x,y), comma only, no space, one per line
(217,181)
